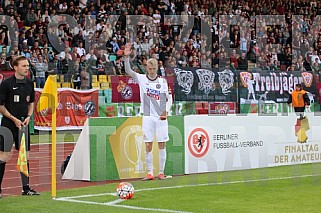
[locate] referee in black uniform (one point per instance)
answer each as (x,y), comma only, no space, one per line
(17,98)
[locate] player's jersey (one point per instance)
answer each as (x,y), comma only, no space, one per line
(153,95)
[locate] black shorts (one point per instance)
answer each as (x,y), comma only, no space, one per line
(9,133)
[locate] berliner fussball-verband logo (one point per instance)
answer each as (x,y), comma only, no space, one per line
(198,142)
(90,108)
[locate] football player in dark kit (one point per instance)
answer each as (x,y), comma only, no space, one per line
(17,98)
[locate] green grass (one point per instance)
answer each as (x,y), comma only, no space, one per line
(279,189)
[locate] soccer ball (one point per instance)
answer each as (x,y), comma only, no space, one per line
(125,190)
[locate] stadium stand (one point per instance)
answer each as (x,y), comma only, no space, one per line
(96,40)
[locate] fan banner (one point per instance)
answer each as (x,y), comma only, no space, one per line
(126,89)
(274,86)
(216,85)
(74,107)
(193,84)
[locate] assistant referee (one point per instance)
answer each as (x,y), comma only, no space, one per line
(17,96)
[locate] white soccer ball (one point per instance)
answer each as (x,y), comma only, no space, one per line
(125,190)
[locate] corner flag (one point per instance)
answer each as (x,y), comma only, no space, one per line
(22,164)
(49,99)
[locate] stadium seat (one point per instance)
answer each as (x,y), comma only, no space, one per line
(94,77)
(65,85)
(95,85)
(61,78)
(104,85)
(108,95)
(58,85)
(103,78)
(107,92)
(112,58)
(102,100)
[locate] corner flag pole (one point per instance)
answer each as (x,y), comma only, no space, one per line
(49,99)
(54,140)
(53,155)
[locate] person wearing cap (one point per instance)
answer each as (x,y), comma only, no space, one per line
(25,52)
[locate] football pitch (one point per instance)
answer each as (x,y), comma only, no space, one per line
(293,188)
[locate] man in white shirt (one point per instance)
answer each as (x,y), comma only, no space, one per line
(154,96)
(65,54)
(91,55)
(80,50)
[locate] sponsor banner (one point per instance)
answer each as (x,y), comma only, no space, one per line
(133,109)
(234,142)
(74,107)
(193,84)
(222,108)
(126,89)
(274,86)
(268,107)
(117,149)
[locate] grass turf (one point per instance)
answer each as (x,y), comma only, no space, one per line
(280,189)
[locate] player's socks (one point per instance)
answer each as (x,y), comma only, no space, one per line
(162,160)
(149,162)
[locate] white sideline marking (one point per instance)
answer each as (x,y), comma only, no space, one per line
(115,203)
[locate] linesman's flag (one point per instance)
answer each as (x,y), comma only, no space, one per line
(49,99)
(22,164)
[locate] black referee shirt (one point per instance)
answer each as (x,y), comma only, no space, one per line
(16,95)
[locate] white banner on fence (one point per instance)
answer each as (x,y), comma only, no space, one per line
(237,142)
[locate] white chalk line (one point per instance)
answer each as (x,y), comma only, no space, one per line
(115,203)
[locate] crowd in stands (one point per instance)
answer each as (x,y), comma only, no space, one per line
(211,34)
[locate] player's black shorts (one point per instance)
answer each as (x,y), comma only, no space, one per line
(9,133)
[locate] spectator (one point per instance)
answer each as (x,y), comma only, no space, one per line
(83,63)
(55,66)
(65,54)
(91,55)
(74,54)
(25,53)
(85,79)
(41,67)
(242,62)
(77,80)
(316,67)
(31,17)
(80,50)
(119,68)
